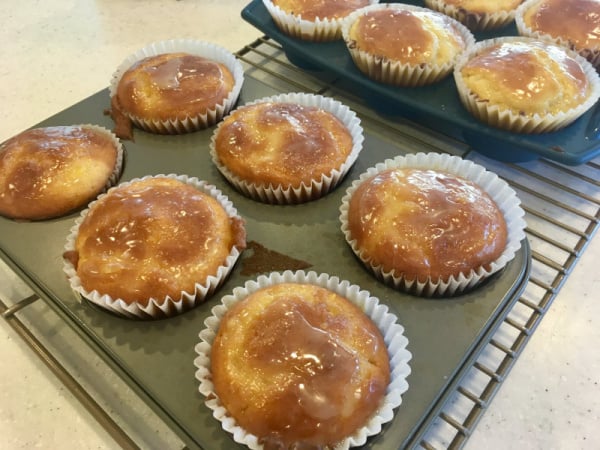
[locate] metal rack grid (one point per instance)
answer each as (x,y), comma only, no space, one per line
(562,217)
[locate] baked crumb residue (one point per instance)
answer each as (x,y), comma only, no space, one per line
(265,260)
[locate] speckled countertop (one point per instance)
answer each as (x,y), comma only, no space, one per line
(56,53)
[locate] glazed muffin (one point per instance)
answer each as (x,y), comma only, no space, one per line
(478,15)
(427,227)
(312,20)
(571,23)
(404,45)
(51,171)
(175,87)
(287,149)
(154,246)
(525,85)
(297,360)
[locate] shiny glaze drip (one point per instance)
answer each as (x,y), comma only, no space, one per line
(280,143)
(31,161)
(323,9)
(425,222)
(530,73)
(577,21)
(397,35)
(146,239)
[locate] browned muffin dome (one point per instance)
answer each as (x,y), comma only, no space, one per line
(49,172)
(282,144)
(173,86)
(298,364)
(153,238)
(574,23)
(423,224)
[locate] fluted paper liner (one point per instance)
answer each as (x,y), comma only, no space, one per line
(506,119)
(388,71)
(475,21)
(392,331)
(318,187)
(591,54)
(163,307)
(319,30)
(188,124)
(502,194)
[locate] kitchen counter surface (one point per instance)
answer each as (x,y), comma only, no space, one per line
(56,53)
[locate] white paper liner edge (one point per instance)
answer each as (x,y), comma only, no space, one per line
(474,20)
(391,330)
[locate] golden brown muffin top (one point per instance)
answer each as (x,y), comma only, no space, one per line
(323,9)
(48,172)
(527,78)
(283,144)
(485,6)
(577,21)
(408,36)
(173,86)
(425,223)
(299,364)
(153,238)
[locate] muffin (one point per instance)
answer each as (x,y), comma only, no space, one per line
(432,224)
(312,20)
(300,360)
(175,87)
(154,246)
(478,15)
(570,23)
(51,171)
(404,45)
(289,148)
(525,85)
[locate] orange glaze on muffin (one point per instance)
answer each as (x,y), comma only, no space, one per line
(576,21)
(153,238)
(322,9)
(425,223)
(48,172)
(407,36)
(527,78)
(283,144)
(297,364)
(173,86)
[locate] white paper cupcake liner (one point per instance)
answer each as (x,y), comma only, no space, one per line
(163,307)
(385,70)
(506,119)
(319,30)
(473,20)
(592,55)
(318,187)
(199,48)
(502,194)
(392,331)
